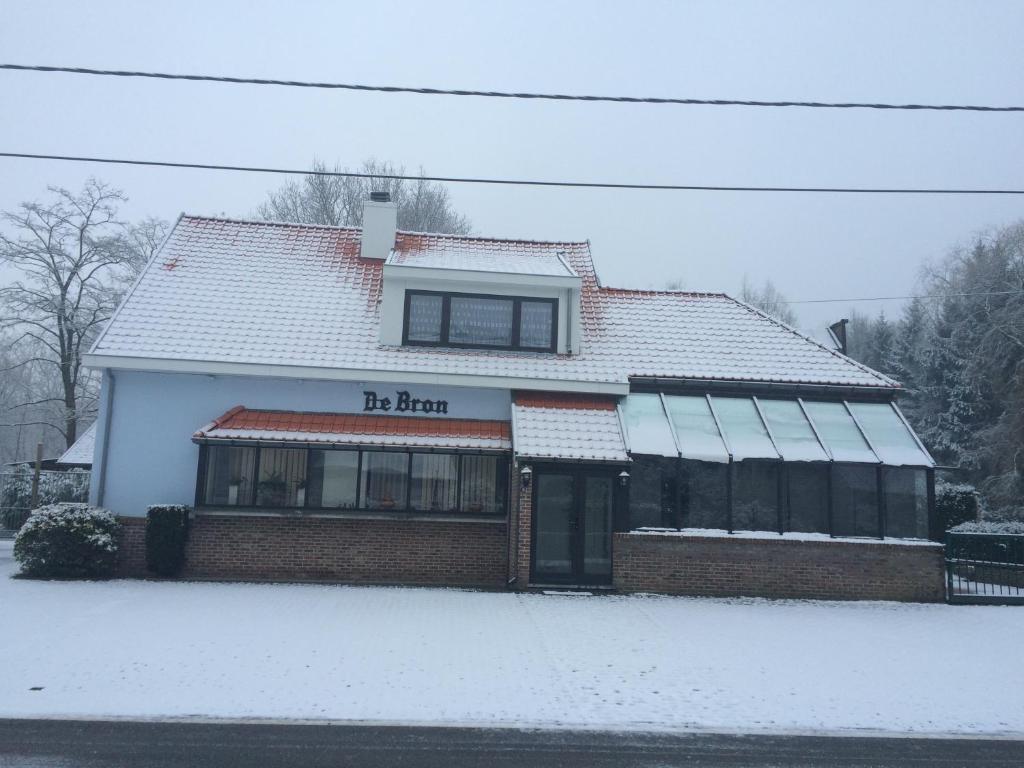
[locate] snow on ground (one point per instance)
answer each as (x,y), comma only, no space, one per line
(149,649)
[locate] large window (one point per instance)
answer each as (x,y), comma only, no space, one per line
(705,494)
(338,480)
(906,502)
(653,495)
(855,500)
(805,498)
(467,320)
(755,495)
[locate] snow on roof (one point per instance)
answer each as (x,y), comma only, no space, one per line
(82,449)
(241,423)
(520,257)
(245,292)
(570,427)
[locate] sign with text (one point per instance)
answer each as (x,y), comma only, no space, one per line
(402,402)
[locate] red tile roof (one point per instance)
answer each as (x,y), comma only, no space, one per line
(348,428)
(570,401)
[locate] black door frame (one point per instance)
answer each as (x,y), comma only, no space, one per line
(579,473)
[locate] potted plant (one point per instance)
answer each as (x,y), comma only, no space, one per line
(300,493)
(233,489)
(272,491)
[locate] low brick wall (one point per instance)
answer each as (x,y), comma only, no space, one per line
(778,568)
(334,549)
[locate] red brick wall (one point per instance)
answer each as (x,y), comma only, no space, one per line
(131,551)
(336,549)
(777,568)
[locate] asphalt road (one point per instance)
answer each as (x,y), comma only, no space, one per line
(93,744)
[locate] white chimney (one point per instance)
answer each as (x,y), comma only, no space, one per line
(380,221)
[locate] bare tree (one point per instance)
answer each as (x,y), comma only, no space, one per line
(423,206)
(73,255)
(768,299)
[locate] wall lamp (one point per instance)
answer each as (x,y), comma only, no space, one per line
(526,477)
(623,478)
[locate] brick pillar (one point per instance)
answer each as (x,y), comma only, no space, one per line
(521,525)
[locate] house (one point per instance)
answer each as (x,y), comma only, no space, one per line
(79,455)
(397,407)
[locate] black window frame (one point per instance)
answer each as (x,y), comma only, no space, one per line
(446,298)
(502,480)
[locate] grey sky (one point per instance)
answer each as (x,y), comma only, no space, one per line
(812,246)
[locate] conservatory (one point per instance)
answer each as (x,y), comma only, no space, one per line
(841,468)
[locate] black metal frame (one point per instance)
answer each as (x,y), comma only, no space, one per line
(503,473)
(445,330)
(984,568)
(677,517)
(578,473)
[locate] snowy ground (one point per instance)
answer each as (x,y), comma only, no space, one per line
(148,649)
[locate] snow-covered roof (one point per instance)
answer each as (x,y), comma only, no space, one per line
(242,423)
(567,427)
(81,450)
(517,257)
(226,295)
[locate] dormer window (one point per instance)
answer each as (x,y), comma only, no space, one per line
(443,319)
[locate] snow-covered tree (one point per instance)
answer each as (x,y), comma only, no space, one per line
(423,206)
(769,300)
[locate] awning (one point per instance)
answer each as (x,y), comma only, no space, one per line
(567,427)
(714,428)
(242,423)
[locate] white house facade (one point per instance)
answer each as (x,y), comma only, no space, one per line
(372,405)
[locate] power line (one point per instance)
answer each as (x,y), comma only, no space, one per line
(903,298)
(510,94)
(516,182)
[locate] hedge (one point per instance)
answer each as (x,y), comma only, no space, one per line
(166,534)
(68,541)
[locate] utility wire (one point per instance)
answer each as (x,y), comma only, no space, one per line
(517,182)
(510,94)
(901,298)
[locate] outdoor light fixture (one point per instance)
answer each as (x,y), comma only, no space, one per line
(623,478)
(526,475)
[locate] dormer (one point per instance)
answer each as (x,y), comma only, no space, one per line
(473,293)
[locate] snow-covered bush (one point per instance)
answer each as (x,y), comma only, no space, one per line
(68,541)
(989,526)
(16,492)
(955,503)
(166,534)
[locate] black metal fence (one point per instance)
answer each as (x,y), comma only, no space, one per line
(16,493)
(985,568)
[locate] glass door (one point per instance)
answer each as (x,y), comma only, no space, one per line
(554,527)
(572,541)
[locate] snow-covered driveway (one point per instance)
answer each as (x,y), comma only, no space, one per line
(133,648)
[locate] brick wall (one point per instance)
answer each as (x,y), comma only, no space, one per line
(335,549)
(777,568)
(131,552)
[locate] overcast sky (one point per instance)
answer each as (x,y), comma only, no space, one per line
(811,246)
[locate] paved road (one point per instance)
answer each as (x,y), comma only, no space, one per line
(77,744)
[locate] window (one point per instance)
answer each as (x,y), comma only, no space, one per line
(696,428)
(333,479)
(425,317)
(755,496)
(467,320)
(906,502)
(653,492)
(647,427)
(705,499)
(487,322)
(384,480)
(435,478)
(855,500)
(889,436)
(229,476)
(743,428)
(282,478)
(340,479)
(483,484)
(840,432)
(805,498)
(792,432)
